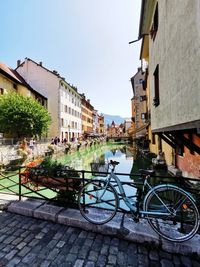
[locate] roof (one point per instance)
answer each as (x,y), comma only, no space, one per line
(54,72)
(40,64)
(147,9)
(10,73)
(16,77)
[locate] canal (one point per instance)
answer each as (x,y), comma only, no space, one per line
(81,160)
(130,163)
(124,153)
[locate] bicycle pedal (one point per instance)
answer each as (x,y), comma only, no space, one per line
(136,220)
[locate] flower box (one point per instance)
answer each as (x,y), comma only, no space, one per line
(51,175)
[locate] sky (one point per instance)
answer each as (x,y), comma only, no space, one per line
(86,41)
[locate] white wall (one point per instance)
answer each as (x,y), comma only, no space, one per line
(66,96)
(43,80)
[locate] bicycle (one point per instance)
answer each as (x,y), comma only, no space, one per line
(169,210)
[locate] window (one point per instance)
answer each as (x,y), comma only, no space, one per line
(144,82)
(140,81)
(65,108)
(180,150)
(154,27)
(62,122)
(153,139)
(1,91)
(143,116)
(156,100)
(143,98)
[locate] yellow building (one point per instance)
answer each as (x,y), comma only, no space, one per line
(101,124)
(87,116)
(11,81)
(156,143)
(139,105)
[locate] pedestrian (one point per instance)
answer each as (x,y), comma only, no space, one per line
(52,141)
(31,144)
(56,140)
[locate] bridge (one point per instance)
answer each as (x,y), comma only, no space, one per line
(118,138)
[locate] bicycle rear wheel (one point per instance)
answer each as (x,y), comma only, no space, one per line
(98,203)
(181,221)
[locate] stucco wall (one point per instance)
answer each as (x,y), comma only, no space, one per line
(176,49)
(44,81)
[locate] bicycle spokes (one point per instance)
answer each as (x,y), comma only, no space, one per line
(98,202)
(174,213)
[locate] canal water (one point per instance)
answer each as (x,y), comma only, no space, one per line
(123,153)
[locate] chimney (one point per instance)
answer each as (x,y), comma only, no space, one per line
(88,101)
(40,63)
(18,62)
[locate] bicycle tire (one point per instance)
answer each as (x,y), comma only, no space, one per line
(93,209)
(183,222)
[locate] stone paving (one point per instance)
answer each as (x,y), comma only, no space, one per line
(27,241)
(135,232)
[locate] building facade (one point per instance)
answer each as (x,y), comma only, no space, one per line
(87,116)
(139,104)
(101,124)
(173,78)
(63,99)
(11,81)
(70,113)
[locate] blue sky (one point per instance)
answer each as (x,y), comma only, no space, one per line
(86,41)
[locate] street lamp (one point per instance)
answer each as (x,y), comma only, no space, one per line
(69,133)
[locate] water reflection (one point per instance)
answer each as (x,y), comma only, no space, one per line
(125,154)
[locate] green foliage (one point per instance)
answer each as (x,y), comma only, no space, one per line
(50,168)
(22,116)
(66,198)
(53,168)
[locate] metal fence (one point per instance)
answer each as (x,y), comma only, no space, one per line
(16,141)
(64,191)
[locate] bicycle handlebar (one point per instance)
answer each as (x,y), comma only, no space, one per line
(114,163)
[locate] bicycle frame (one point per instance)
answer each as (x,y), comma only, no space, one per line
(170,210)
(135,208)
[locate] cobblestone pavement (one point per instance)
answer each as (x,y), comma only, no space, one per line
(26,241)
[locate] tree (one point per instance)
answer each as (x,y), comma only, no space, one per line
(22,116)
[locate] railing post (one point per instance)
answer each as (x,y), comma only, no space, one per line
(83,182)
(20,183)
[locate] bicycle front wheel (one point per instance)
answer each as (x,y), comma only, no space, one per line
(98,202)
(173,213)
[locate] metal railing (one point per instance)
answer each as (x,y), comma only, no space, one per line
(58,189)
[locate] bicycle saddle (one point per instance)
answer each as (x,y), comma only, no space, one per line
(113,162)
(146,172)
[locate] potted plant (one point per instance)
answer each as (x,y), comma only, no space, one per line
(55,175)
